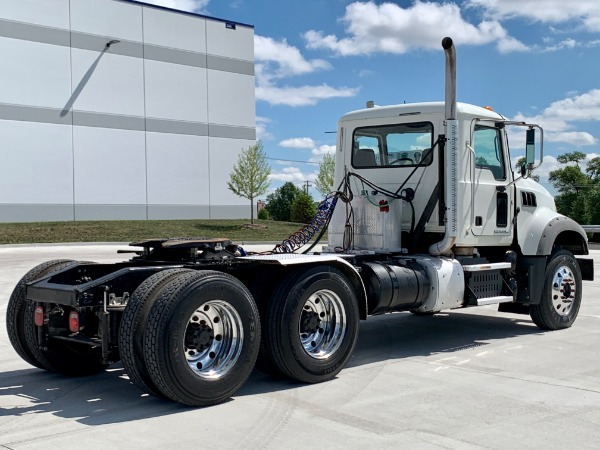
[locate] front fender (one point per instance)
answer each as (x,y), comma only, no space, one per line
(538,233)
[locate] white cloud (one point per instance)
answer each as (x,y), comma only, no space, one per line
(566,43)
(389,28)
(261,129)
(323,150)
(306,143)
(287,58)
(587,12)
(303,142)
(293,174)
(302,95)
(276,60)
(557,119)
(197,6)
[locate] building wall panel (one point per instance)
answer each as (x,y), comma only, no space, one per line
(37,163)
(118,20)
(177,169)
(176,92)
(32,73)
(235,43)
(223,155)
(227,94)
(110,166)
(107,83)
(158,30)
(53,13)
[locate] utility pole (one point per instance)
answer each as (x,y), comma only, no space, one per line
(307,184)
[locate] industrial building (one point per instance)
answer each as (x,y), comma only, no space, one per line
(116,109)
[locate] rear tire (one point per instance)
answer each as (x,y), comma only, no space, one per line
(202,338)
(15,312)
(312,324)
(133,326)
(561,295)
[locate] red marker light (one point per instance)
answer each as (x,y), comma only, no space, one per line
(74,321)
(38,316)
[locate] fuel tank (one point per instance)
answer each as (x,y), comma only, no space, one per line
(396,285)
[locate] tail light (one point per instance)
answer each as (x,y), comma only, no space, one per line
(38,316)
(74,321)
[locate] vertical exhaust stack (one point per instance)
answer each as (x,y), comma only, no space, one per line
(450,99)
(444,247)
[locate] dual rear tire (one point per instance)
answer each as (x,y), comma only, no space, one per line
(190,336)
(310,325)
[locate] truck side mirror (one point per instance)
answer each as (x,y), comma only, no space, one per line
(530,147)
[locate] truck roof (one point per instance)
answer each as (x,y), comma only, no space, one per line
(418,108)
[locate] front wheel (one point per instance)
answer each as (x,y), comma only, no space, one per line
(561,295)
(311,324)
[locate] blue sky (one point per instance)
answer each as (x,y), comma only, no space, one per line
(533,60)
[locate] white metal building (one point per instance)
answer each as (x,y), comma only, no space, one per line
(115,109)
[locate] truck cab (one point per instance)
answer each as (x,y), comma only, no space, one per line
(403,149)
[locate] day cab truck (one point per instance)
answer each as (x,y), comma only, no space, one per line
(427,216)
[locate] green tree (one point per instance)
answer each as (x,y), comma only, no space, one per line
(250,175)
(593,169)
(571,157)
(324,181)
(579,191)
(279,203)
(303,208)
(569,179)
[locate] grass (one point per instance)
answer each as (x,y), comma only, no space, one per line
(135,230)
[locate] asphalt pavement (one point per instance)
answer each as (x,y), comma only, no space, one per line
(467,379)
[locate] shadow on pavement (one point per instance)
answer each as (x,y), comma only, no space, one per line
(109,397)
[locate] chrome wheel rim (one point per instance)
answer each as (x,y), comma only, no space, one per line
(213,339)
(563,290)
(322,324)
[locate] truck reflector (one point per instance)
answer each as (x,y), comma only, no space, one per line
(38,316)
(74,321)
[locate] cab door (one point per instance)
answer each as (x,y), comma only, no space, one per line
(493,192)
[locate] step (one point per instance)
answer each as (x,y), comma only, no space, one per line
(494,300)
(486,267)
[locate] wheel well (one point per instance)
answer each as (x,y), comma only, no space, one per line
(562,233)
(572,241)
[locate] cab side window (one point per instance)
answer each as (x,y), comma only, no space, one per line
(487,143)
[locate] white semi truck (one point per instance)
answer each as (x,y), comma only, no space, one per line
(427,216)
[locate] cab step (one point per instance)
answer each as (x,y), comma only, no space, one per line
(486,267)
(494,300)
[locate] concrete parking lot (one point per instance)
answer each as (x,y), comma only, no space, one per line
(473,378)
